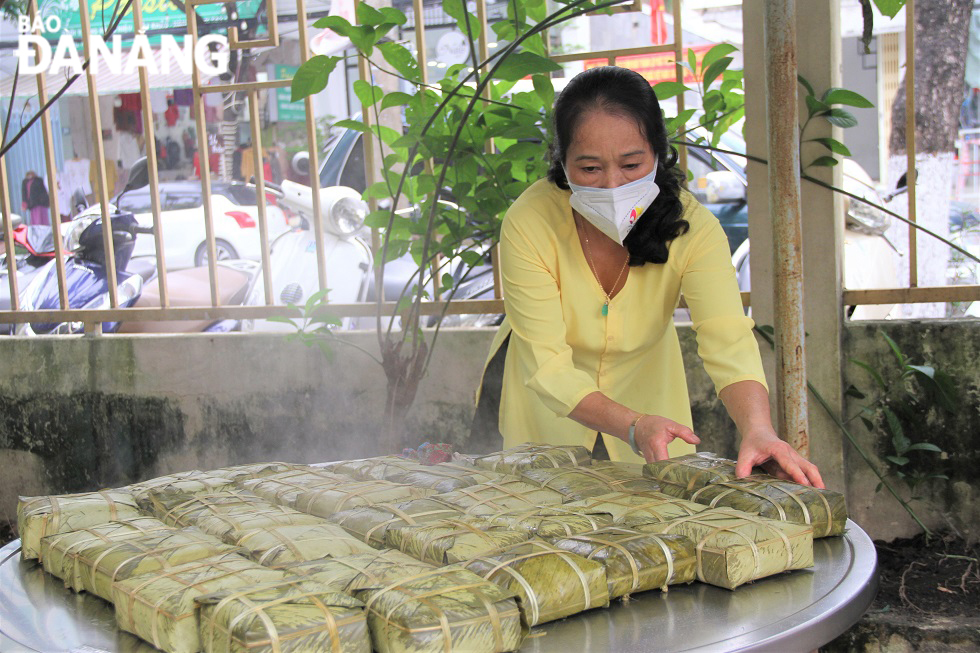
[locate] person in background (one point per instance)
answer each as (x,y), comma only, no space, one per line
(35,200)
(593,261)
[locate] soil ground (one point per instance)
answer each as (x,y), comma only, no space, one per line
(936,576)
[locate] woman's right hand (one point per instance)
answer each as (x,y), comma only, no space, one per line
(653,433)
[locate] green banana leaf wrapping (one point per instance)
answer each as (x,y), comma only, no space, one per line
(446,477)
(501,496)
(59,553)
(553,521)
(369,523)
(363,571)
(450,540)
(227,514)
(443,610)
(288,616)
(577,483)
(415,607)
(159,606)
(550,582)
(627,509)
(275,546)
(620,470)
(734,547)
(239,473)
(183,484)
(99,565)
(39,517)
(634,561)
(773,498)
(683,476)
(531,456)
(284,487)
(382,468)
(324,502)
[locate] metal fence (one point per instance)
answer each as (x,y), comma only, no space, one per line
(93,318)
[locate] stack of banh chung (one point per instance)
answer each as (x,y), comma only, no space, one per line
(392,555)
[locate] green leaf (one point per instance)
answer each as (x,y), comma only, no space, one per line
(395,99)
(925,370)
(924,446)
(521,64)
(348,123)
(313,300)
(716,53)
(833,145)
(666,90)
(392,15)
(843,96)
(368,15)
(889,8)
(680,120)
(807,85)
(880,485)
(363,37)
(401,59)
(714,70)
(854,392)
(948,396)
(465,21)
(312,76)
(868,424)
(894,347)
(841,118)
(339,25)
(899,441)
(692,59)
(870,370)
(815,106)
(897,460)
(824,162)
(367,93)
(544,88)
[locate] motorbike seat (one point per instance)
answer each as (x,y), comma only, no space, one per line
(145,267)
(189,288)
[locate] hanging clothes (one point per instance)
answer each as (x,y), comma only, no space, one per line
(35,199)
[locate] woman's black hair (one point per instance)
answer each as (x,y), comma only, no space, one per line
(624,92)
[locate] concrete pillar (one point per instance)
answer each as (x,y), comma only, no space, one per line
(818,41)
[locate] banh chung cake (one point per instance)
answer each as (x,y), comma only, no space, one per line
(297,556)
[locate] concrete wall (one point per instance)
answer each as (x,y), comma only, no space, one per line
(78,414)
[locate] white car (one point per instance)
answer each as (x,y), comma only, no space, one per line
(235,218)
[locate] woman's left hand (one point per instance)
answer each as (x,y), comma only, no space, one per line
(765,449)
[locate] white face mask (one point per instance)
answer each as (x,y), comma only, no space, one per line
(614,211)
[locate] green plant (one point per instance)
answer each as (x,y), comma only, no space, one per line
(721,107)
(440,162)
(935,393)
(906,396)
(826,107)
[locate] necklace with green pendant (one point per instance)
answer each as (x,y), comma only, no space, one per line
(588,257)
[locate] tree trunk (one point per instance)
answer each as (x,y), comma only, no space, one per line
(941,35)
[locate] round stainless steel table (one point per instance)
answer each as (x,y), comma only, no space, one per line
(796,611)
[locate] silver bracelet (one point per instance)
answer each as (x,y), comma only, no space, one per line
(636,449)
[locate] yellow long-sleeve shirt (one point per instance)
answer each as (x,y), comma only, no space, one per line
(562,348)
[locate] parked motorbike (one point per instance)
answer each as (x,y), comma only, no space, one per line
(87,281)
(86,277)
(293,258)
(32,248)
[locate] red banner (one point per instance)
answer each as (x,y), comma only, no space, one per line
(656,68)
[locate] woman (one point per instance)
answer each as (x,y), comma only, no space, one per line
(35,199)
(593,261)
